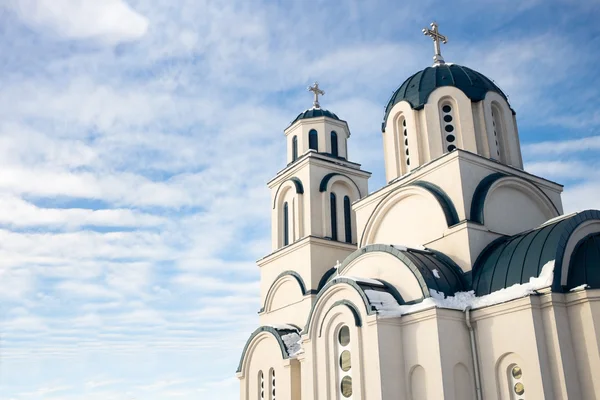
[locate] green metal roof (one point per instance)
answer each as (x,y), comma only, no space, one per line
(315,113)
(515,259)
(416,89)
(422,263)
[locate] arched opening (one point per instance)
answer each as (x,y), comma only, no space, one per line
(449,126)
(404,151)
(261,385)
(348,219)
(497,148)
(286,224)
(272,393)
(333,208)
(334,144)
(294,148)
(313,140)
(344,362)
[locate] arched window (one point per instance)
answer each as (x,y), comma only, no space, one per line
(449,130)
(334,144)
(294,148)
(344,362)
(348,219)
(333,208)
(272,384)
(496,149)
(404,151)
(313,140)
(261,385)
(517,388)
(286,224)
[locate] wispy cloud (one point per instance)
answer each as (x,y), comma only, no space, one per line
(136,138)
(110,21)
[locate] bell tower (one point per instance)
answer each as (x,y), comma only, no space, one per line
(313,225)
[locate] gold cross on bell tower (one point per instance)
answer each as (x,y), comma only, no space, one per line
(437,38)
(315,89)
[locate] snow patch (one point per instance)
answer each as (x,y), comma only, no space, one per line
(383,301)
(580,287)
(556,219)
(292,343)
(436,273)
(462,300)
(364,280)
(406,248)
(284,327)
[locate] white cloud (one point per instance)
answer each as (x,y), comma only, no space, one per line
(16,212)
(110,21)
(559,147)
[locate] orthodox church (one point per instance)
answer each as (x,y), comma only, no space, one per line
(460,279)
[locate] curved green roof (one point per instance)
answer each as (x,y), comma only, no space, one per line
(432,269)
(416,89)
(515,259)
(315,113)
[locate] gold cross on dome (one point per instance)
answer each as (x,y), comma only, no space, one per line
(437,38)
(315,89)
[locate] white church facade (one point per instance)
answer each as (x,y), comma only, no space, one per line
(460,279)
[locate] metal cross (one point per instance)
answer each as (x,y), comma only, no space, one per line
(437,38)
(315,89)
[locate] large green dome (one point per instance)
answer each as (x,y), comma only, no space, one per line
(417,88)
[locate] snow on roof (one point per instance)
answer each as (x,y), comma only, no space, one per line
(556,219)
(463,300)
(283,327)
(372,282)
(406,248)
(580,288)
(292,343)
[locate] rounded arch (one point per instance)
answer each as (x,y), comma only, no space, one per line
(333,287)
(291,190)
(587,231)
(497,180)
(260,334)
(421,263)
(505,363)
(277,282)
(449,121)
(294,182)
(418,382)
(394,141)
(420,188)
(497,111)
(462,121)
(329,179)
(343,303)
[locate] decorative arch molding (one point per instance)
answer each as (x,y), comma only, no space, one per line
(324,186)
(326,277)
(350,305)
(325,294)
(582,232)
(502,371)
(394,252)
(498,179)
(276,283)
(260,334)
(415,188)
(297,185)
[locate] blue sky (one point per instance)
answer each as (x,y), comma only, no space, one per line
(137,136)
